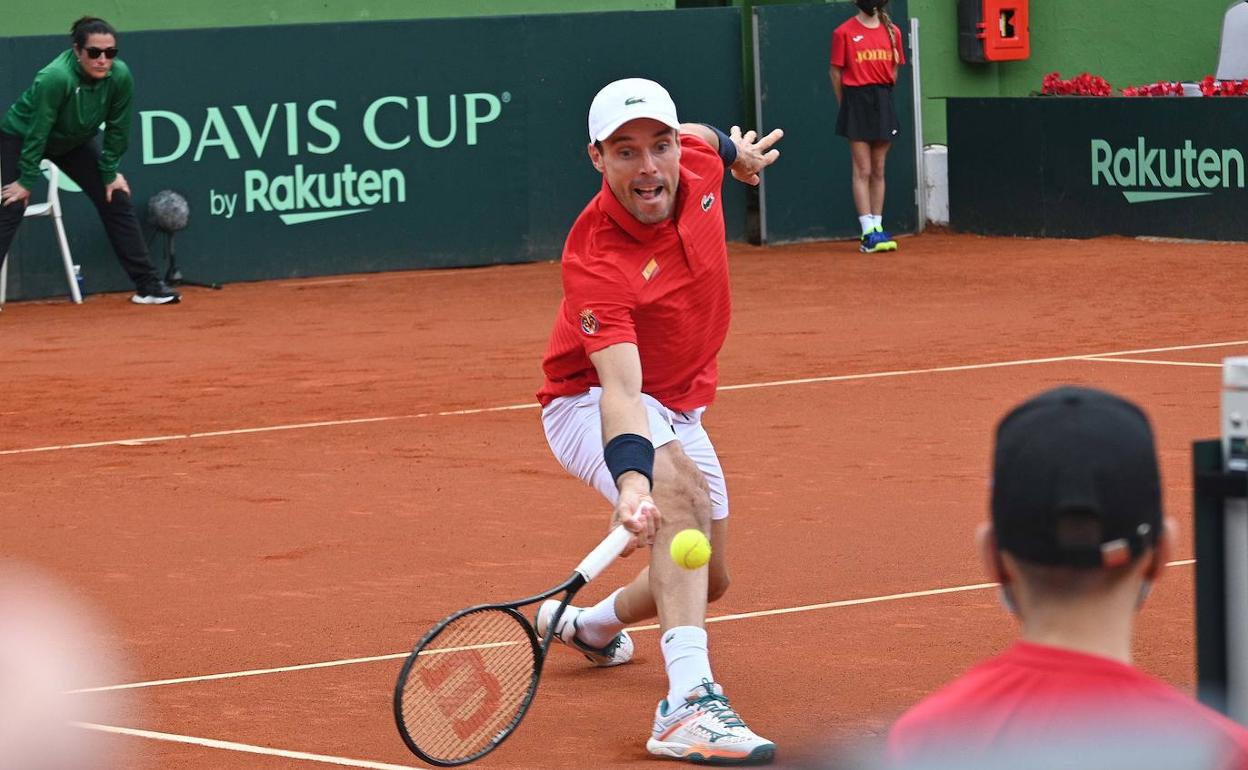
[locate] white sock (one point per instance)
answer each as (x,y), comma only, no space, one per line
(598,625)
(877,221)
(868,223)
(688,663)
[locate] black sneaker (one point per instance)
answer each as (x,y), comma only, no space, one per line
(158,293)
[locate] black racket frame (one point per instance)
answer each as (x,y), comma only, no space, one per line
(540,648)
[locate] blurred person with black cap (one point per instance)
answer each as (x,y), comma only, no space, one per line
(1076,540)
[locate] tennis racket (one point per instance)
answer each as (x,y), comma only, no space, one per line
(467,684)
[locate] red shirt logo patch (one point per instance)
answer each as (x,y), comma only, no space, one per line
(708,200)
(589,322)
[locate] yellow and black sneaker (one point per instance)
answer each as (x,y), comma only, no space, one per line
(876,241)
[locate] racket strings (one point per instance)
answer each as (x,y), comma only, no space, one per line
(468,685)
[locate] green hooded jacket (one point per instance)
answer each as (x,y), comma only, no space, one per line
(64,108)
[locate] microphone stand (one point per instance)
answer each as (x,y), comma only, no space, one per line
(173,276)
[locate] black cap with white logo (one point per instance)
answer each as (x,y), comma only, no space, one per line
(1075,480)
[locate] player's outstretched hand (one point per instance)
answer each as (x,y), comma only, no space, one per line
(637,513)
(753,154)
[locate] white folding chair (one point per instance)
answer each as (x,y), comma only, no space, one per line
(49,208)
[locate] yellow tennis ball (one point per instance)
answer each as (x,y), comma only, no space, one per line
(690,549)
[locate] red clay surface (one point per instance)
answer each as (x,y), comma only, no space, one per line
(241,551)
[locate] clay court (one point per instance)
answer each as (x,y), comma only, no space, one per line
(271,491)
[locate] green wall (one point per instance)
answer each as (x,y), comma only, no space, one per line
(1127,42)
(53,17)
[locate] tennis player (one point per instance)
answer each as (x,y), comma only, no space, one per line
(1076,540)
(630,367)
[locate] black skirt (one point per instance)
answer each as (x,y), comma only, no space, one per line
(867,114)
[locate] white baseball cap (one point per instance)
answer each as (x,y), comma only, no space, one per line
(629,99)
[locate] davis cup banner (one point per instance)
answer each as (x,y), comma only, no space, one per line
(336,148)
(312,133)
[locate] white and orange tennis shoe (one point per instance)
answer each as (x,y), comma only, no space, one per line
(617,652)
(705,730)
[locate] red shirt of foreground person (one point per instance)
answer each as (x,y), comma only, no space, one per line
(1076,540)
(1040,701)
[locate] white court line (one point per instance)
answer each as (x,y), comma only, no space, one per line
(284,669)
(1150,361)
(514,407)
(830,605)
(650,627)
(243,747)
(973,367)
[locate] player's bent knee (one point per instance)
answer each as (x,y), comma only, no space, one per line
(687,512)
(695,510)
(681,491)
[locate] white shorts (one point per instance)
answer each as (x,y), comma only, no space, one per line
(573,427)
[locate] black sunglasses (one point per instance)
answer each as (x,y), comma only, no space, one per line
(95,53)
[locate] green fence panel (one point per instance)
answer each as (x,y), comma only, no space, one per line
(1082,167)
(54,16)
(807,194)
(684,50)
(333,148)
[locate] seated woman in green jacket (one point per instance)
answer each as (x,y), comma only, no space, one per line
(57,118)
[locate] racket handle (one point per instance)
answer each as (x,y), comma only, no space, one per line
(604,553)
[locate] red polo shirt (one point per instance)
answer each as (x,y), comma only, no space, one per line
(865,54)
(1039,701)
(663,287)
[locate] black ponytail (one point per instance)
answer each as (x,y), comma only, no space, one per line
(88,26)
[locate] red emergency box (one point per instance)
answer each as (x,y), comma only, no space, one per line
(993,30)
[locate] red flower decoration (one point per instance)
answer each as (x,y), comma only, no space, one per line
(1087,84)
(1084,84)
